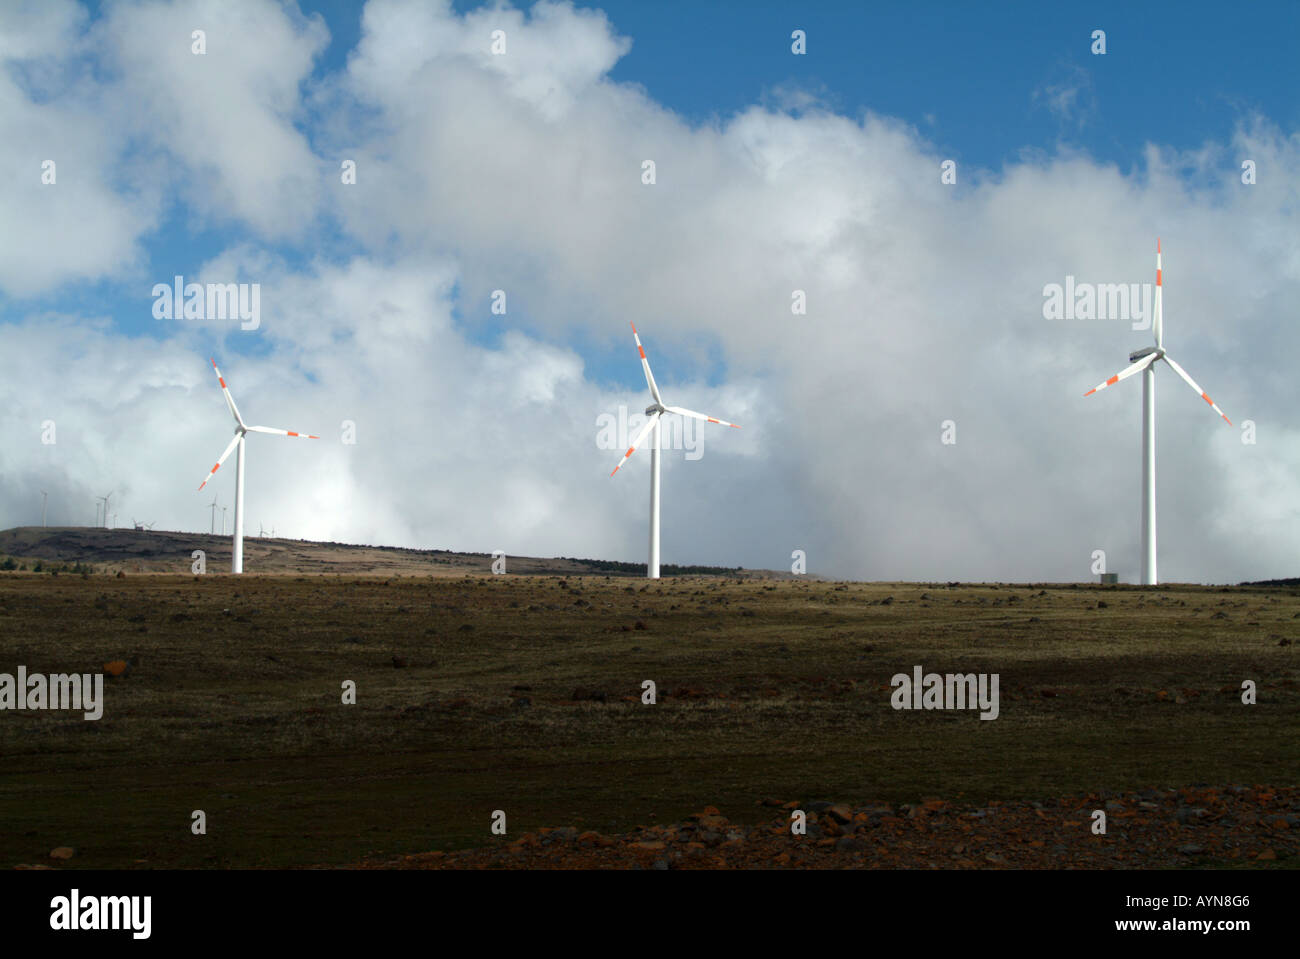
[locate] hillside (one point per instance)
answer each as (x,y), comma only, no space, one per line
(162,551)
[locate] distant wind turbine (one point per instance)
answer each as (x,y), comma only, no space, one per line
(1144,361)
(241,429)
(43,499)
(654,412)
(213,523)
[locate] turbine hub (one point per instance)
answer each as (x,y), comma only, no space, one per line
(655,408)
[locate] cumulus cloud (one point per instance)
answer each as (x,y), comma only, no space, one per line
(523,172)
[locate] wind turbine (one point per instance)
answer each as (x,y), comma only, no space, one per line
(1144,361)
(237,553)
(44,495)
(212,526)
(104,521)
(654,412)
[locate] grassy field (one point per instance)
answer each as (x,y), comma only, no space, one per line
(466,704)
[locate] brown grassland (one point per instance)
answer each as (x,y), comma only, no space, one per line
(480,692)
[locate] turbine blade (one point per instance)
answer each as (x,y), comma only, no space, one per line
(699,416)
(219,462)
(1192,383)
(1125,373)
(637,442)
(1158,321)
(645,365)
(272,429)
(230,400)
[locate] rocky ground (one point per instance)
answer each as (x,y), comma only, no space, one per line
(1148,829)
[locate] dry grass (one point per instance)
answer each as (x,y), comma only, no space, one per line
(765,689)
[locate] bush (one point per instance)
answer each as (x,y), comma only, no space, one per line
(9,563)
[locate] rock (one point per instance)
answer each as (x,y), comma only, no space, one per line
(1190,850)
(840,811)
(653,845)
(661,865)
(1267,855)
(62,852)
(119,667)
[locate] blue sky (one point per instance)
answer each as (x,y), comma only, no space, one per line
(778,173)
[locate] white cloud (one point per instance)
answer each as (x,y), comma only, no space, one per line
(522,173)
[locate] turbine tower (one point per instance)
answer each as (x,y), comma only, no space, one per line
(241,429)
(212,527)
(44,495)
(1144,361)
(654,412)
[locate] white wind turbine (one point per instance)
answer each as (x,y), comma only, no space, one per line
(654,412)
(237,552)
(1144,361)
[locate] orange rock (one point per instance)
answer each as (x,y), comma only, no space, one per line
(1267,854)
